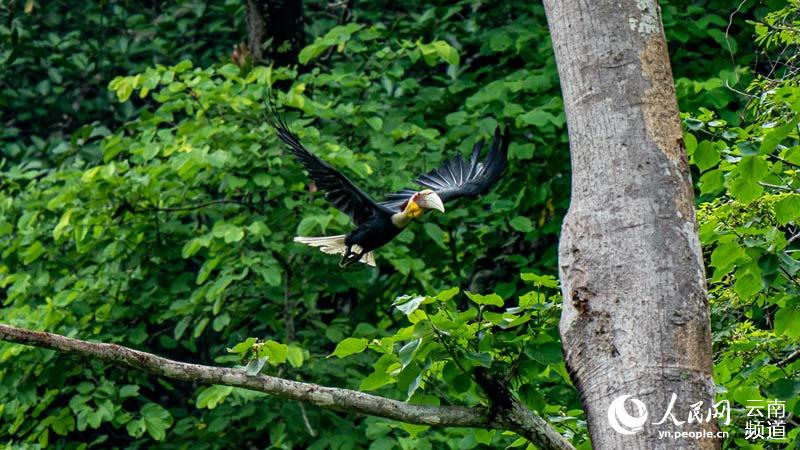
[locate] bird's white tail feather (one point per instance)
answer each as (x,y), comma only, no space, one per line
(334,245)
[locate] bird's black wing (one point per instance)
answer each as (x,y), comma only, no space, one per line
(338,189)
(458,178)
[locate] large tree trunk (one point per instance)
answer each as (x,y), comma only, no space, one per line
(278,20)
(635,319)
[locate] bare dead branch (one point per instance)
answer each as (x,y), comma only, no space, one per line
(518,419)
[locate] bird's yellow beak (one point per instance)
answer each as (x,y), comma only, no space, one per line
(429,200)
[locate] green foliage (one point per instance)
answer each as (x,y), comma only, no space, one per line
(58,57)
(177,228)
(431,359)
(748,226)
(711,48)
(145,202)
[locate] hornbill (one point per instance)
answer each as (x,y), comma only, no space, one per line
(377,223)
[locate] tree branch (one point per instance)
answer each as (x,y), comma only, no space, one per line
(193,207)
(520,420)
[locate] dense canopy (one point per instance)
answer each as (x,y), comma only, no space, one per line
(145,202)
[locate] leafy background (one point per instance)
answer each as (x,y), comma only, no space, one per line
(145,202)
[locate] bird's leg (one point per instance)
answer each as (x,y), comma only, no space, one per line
(350,257)
(346,256)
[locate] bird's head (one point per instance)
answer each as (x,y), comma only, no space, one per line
(422,200)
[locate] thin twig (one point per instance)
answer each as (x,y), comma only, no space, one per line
(288,305)
(775,186)
(310,429)
(789,359)
(193,207)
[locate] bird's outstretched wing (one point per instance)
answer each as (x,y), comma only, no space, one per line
(458,178)
(338,189)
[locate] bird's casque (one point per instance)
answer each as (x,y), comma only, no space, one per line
(377,223)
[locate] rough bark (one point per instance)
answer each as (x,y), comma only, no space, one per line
(512,416)
(278,20)
(635,318)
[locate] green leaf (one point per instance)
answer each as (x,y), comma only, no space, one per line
(500,41)
(747,285)
(787,209)
(349,346)
(228,232)
(212,396)
(532,397)
(484,436)
(295,356)
(744,394)
(521,151)
(375,380)
(690,142)
(182,66)
(255,365)
(787,321)
(712,182)
(753,167)
(156,420)
(376,123)
(33,252)
(746,190)
(546,353)
(522,224)
(447,294)
(200,327)
(537,118)
(138,334)
(229,70)
(63,222)
(129,390)
(784,389)
(220,322)
(456,118)
(483,359)
(136,428)
(447,52)
(544,280)
(191,247)
(150,151)
(181,326)
(774,137)
(306,226)
(244,346)
(491,299)
(706,156)
(518,443)
(274,351)
(408,304)
(406,352)
(310,52)
(338,36)
(726,255)
(413,385)
(441,49)
(793,155)
(435,233)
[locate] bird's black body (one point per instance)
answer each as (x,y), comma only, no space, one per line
(377,223)
(375,232)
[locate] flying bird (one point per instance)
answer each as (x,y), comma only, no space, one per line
(376,222)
